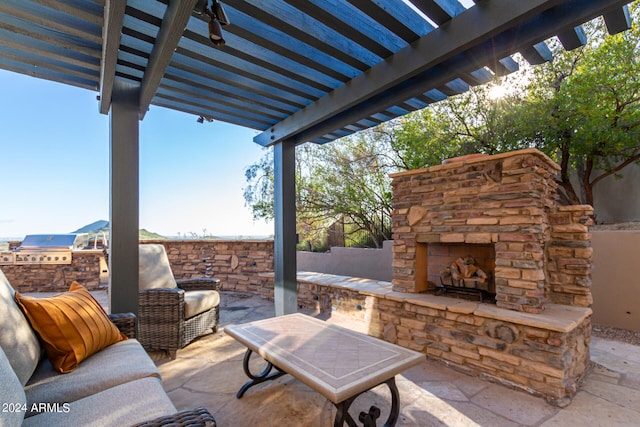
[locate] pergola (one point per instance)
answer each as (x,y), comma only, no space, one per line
(296,70)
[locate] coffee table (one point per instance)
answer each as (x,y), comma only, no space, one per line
(338,363)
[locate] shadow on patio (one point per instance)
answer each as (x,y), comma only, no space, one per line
(209,372)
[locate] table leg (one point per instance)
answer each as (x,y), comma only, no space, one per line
(259,378)
(369,419)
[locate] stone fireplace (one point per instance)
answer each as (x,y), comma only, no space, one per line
(502,211)
(505,205)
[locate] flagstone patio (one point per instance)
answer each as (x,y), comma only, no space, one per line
(209,372)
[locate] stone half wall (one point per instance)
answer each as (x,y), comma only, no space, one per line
(241,265)
(542,250)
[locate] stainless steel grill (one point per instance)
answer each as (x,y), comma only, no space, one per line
(7,258)
(49,248)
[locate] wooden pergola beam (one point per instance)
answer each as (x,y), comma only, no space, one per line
(174,22)
(112,29)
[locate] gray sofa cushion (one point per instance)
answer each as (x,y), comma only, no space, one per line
(154,270)
(17,339)
(12,395)
(123,405)
(196,302)
(117,364)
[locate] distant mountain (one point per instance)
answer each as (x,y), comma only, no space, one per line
(149,235)
(102,226)
(94,227)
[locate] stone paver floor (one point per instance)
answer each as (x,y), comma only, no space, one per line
(209,372)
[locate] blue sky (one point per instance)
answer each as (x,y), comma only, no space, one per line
(54,165)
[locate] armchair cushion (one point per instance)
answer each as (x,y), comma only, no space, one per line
(154,270)
(19,342)
(72,326)
(196,302)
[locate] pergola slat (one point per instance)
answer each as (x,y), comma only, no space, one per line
(427,52)
(275,40)
(573,38)
(537,54)
(397,16)
(617,20)
(55,74)
(41,48)
(439,11)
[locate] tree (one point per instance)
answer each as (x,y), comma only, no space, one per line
(582,109)
(349,180)
(419,139)
(344,180)
(258,194)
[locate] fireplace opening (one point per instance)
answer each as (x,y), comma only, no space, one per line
(458,269)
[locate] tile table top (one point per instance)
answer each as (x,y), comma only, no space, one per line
(335,361)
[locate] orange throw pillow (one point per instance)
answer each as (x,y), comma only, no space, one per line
(71,325)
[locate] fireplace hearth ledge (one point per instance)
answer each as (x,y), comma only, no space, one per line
(555,317)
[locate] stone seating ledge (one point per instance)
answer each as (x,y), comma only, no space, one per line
(555,317)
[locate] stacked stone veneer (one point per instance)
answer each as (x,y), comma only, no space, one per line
(84,268)
(569,255)
(543,354)
(241,265)
(542,250)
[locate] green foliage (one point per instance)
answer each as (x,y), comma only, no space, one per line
(347,179)
(421,139)
(258,194)
(582,109)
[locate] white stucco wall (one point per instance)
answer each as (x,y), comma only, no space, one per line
(367,263)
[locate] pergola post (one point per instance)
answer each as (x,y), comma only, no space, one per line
(285,239)
(124,199)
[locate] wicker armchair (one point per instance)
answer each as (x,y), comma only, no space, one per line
(172,313)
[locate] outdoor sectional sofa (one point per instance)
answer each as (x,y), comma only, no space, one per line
(118,385)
